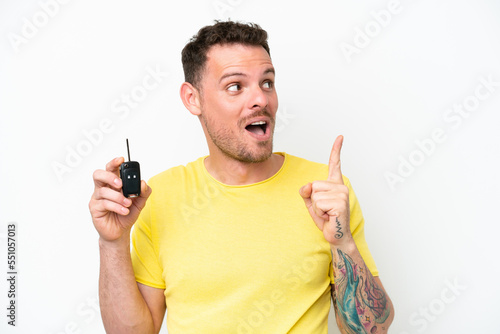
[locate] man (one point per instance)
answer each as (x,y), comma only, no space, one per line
(226,242)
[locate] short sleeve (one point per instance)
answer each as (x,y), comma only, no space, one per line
(357,225)
(144,252)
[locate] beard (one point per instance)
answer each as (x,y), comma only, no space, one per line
(234,146)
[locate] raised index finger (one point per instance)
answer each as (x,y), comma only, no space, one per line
(334,173)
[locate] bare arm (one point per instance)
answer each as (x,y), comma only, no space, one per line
(125,306)
(360,301)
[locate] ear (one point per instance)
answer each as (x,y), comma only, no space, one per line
(191,98)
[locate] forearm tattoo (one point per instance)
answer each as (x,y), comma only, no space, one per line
(360,303)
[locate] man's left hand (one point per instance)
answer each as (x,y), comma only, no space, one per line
(328,201)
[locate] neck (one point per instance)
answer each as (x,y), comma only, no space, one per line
(233,172)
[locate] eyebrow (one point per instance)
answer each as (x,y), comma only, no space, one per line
(270,70)
(227,75)
(235,74)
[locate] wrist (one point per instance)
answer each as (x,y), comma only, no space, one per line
(117,244)
(347,244)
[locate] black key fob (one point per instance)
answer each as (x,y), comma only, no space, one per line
(130,174)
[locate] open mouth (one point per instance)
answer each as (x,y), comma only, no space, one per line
(258,128)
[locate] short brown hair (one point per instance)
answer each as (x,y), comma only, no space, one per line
(194,54)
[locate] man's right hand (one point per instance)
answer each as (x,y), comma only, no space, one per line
(112,213)
(126,306)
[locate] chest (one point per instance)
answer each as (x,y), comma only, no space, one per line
(229,246)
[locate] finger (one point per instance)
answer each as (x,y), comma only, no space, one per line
(104,178)
(103,207)
(332,196)
(321,208)
(305,191)
(105,193)
(145,190)
(140,202)
(334,172)
(114,165)
(325,207)
(329,186)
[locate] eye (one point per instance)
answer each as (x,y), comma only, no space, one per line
(234,88)
(268,84)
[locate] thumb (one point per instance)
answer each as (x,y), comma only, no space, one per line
(306,191)
(140,202)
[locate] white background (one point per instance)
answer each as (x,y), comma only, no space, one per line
(436,226)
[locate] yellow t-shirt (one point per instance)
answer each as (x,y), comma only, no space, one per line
(239,259)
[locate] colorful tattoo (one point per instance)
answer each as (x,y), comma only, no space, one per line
(346,296)
(360,303)
(374,298)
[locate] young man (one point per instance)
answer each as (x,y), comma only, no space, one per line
(244,240)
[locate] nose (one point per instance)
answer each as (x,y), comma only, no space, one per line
(258,98)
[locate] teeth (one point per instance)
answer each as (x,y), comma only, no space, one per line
(258,123)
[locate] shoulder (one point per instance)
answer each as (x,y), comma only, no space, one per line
(301,164)
(177,174)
